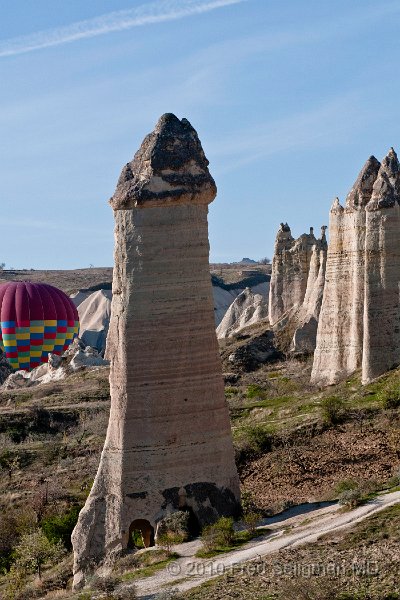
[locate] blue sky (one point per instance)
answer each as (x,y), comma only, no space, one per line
(289,100)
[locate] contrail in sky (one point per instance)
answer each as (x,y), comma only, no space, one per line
(145,14)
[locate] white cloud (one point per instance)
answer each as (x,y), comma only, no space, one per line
(146,14)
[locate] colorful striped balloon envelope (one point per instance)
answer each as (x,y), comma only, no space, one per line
(35,319)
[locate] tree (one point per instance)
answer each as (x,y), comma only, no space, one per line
(34,550)
(264,261)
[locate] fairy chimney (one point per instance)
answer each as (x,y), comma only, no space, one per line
(290,266)
(359,324)
(168,444)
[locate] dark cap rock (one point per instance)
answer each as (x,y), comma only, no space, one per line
(361,192)
(386,190)
(170,167)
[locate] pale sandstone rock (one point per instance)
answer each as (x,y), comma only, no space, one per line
(382,273)
(359,321)
(290,266)
(297,284)
(247,309)
(94,319)
(307,316)
(168,443)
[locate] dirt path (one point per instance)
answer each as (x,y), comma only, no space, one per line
(188,571)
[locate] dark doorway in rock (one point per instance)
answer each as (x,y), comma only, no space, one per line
(193,523)
(141,534)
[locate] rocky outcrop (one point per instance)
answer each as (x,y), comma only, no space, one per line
(223,298)
(290,267)
(247,309)
(296,290)
(168,444)
(382,272)
(307,317)
(94,318)
(76,358)
(359,321)
(250,353)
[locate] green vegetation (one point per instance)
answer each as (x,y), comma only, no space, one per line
(221,536)
(333,411)
(58,528)
(255,391)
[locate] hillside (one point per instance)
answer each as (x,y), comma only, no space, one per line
(71,280)
(294,443)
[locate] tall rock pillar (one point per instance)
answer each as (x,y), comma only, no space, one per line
(290,267)
(168,444)
(339,346)
(382,272)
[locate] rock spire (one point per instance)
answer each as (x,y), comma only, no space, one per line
(359,321)
(168,444)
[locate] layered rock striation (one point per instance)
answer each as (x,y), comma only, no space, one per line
(290,266)
(168,444)
(307,316)
(381,350)
(297,285)
(359,320)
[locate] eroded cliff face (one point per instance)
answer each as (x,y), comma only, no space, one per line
(382,272)
(168,444)
(297,284)
(247,309)
(359,320)
(290,267)
(307,316)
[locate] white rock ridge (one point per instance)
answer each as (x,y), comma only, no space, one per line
(359,321)
(297,285)
(307,316)
(247,309)
(168,444)
(94,319)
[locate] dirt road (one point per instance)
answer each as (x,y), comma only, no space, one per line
(188,571)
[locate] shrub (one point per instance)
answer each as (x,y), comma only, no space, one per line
(258,439)
(255,391)
(350,498)
(251,519)
(209,538)
(59,528)
(248,504)
(8,539)
(345,485)
(34,550)
(390,396)
(166,540)
(394,481)
(231,391)
(219,534)
(176,525)
(333,410)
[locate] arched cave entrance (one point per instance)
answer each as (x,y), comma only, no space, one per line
(140,530)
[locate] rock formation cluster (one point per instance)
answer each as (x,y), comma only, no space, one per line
(247,309)
(168,444)
(297,285)
(359,325)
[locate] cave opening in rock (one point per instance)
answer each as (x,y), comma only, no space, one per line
(141,534)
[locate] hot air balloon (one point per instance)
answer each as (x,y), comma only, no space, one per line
(35,319)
